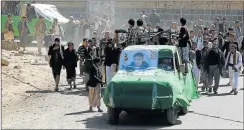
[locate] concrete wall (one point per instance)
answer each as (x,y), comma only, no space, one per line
(169,11)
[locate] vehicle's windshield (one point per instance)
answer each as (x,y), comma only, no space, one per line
(166,64)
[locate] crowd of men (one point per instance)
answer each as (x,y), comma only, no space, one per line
(214,51)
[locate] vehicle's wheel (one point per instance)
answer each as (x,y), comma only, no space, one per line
(183,110)
(172,115)
(113,116)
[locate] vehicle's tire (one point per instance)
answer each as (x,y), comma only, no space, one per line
(172,116)
(113,115)
(183,110)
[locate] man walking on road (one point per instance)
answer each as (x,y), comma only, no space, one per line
(213,67)
(94,83)
(203,75)
(40,32)
(23,31)
(233,65)
(82,52)
(56,60)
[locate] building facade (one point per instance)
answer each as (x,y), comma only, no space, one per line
(168,11)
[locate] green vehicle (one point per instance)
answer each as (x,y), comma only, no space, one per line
(49,12)
(150,78)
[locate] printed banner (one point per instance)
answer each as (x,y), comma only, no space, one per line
(138,60)
(122,37)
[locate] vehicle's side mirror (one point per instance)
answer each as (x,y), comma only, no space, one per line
(183,68)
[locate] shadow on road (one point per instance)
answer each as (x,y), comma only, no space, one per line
(22,81)
(67,85)
(220,94)
(145,121)
(78,113)
(79,92)
(215,117)
(40,91)
(224,85)
(221,85)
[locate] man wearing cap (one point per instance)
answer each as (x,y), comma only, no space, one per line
(233,65)
(227,45)
(40,29)
(23,31)
(154,18)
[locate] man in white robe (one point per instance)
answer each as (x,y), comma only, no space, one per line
(233,64)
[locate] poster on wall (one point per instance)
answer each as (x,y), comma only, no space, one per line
(138,60)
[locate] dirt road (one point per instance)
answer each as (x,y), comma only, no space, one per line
(29,103)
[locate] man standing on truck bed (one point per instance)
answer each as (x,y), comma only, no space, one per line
(40,32)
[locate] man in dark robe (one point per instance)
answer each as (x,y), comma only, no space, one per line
(70,63)
(94,83)
(56,60)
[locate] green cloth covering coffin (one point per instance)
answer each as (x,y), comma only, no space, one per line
(149,87)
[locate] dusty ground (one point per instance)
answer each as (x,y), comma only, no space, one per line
(29,102)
